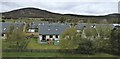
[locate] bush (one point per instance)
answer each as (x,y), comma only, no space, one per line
(115,41)
(86,46)
(3,20)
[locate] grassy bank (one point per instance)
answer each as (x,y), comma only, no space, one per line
(33,44)
(36,54)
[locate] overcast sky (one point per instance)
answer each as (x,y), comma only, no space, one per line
(82,7)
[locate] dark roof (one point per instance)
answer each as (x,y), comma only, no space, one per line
(36,24)
(6,25)
(81,26)
(54,28)
(33,25)
(105,25)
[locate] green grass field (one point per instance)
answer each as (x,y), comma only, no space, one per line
(33,44)
(36,54)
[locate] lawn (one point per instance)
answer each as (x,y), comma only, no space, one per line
(12,45)
(36,54)
(5,44)
(33,44)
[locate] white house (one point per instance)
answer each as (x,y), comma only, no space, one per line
(51,31)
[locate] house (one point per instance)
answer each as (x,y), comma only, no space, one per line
(116,24)
(51,31)
(81,26)
(5,26)
(97,26)
(33,27)
(116,27)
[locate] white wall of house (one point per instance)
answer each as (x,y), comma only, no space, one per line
(40,37)
(48,37)
(31,30)
(78,30)
(54,37)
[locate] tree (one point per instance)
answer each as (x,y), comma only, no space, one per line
(90,32)
(115,40)
(62,19)
(3,20)
(69,39)
(102,45)
(102,42)
(104,31)
(86,46)
(15,35)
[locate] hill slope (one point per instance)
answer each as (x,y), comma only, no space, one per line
(29,13)
(38,13)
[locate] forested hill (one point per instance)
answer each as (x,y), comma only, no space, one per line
(39,13)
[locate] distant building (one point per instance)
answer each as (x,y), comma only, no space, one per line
(5,26)
(51,31)
(80,27)
(33,27)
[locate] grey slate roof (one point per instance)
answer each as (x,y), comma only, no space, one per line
(80,26)
(6,25)
(54,28)
(105,25)
(35,24)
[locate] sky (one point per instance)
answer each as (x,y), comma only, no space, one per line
(81,7)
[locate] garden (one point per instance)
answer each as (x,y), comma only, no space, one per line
(72,44)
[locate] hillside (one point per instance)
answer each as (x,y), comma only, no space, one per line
(29,13)
(39,13)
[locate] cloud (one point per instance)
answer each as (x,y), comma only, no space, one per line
(5,6)
(59,0)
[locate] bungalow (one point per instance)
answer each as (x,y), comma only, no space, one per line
(116,24)
(6,26)
(33,27)
(82,26)
(111,26)
(51,31)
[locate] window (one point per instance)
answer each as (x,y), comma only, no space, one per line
(56,29)
(48,29)
(43,37)
(51,36)
(4,28)
(56,36)
(2,34)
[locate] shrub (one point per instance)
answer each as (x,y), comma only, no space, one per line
(86,46)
